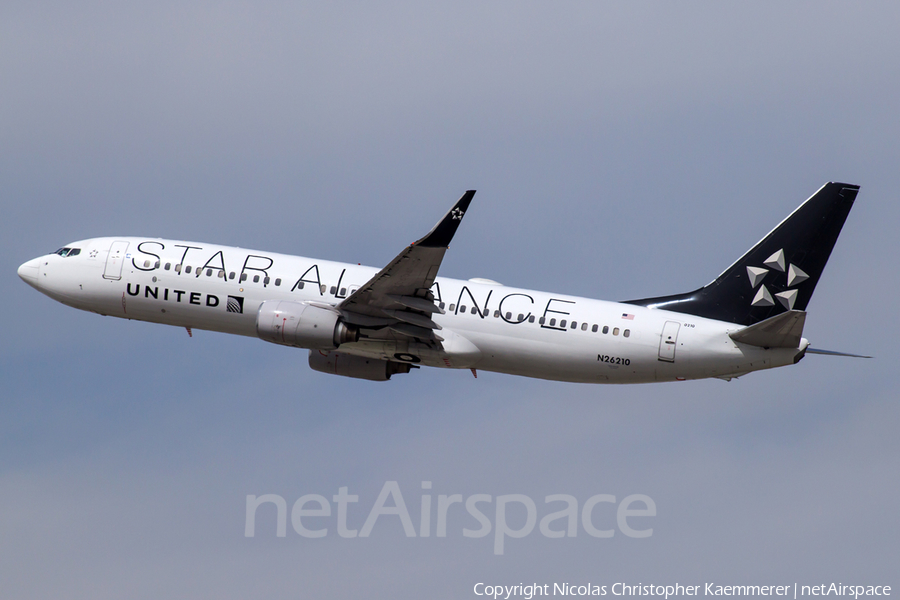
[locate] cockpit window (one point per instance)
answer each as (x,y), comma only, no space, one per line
(68,252)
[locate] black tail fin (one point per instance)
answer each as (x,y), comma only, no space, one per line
(779,273)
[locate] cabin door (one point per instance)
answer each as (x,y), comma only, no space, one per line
(668,341)
(114,261)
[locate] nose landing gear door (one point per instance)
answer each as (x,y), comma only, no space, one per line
(114,261)
(668,340)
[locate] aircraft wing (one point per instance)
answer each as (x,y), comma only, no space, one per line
(399,296)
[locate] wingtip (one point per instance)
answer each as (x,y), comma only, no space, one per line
(465,200)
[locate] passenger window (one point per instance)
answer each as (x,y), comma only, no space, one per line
(521,317)
(626,333)
(187,269)
(606,329)
(277,282)
(552,322)
(266,280)
(209,272)
(178,268)
(256,279)
(562,323)
(221,274)
(584,326)
(615,331)
(594,329)
(541,321)
(509,316)
(231,276)
(531,319)
(244,277)
(574,325)
(333,290)
(474,310)
(322,288)
(496,314)
(300,285)
(146,263)
(343,291)
(462,308)
(452,307)
(441,305)
(168,266)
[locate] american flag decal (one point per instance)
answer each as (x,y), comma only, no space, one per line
(628,317)
(235,304)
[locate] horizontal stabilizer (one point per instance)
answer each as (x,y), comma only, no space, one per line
(780,331)
(833,353)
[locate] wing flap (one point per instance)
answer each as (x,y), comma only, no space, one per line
(413,318)
(416,303)
(414,331)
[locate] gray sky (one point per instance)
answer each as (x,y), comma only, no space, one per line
(619,151)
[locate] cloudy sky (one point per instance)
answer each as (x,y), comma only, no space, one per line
(619,151)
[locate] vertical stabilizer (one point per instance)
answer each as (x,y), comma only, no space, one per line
(778,274)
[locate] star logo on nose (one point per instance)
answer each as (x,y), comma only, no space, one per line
(457,214)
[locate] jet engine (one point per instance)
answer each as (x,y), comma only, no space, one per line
(348,365)
(302,325)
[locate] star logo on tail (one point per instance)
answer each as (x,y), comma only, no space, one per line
(777,262)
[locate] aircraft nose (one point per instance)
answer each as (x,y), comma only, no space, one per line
(29,271)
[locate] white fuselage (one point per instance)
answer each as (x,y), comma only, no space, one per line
(487,326)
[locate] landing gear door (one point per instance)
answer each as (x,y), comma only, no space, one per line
(668,340)
(114,261)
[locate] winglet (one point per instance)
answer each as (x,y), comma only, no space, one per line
(443,232)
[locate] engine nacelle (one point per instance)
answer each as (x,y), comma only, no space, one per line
(302,325)
(349,365)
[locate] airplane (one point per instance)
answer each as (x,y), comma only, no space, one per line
(362,322)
